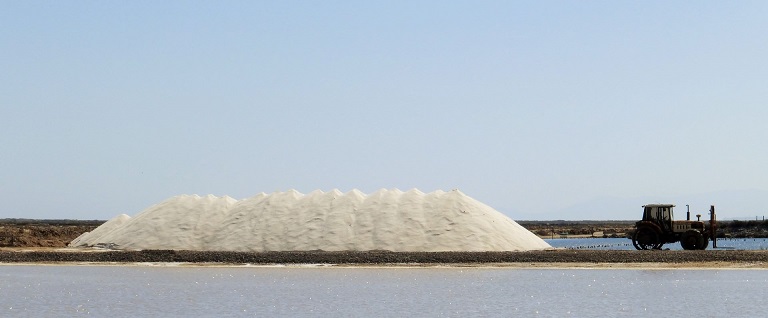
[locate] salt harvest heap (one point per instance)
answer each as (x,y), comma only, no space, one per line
(390,220)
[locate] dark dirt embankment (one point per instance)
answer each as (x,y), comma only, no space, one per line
(382,258)
(42,233)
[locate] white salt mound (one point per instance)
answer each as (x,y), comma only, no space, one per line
(390,220)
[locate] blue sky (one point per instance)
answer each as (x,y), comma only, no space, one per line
(530,107)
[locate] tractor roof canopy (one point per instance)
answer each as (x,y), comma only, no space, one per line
(657,205)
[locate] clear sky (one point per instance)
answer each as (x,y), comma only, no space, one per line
(530,107)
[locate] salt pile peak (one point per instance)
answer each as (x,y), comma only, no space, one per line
(390,220)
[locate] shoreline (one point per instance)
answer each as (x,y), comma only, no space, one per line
(542,259)
(521,266)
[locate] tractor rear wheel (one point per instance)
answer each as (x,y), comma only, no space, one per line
(693,240)
(646,238)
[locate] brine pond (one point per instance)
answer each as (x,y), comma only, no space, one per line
(626,244)
(318,291)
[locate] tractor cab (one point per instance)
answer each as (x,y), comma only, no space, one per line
(660,214)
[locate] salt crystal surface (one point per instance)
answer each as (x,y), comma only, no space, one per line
(390,220)
(93,237)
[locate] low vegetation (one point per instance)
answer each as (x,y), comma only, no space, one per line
(743,229)
(561,228)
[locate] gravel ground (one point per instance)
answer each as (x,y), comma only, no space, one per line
(561,257)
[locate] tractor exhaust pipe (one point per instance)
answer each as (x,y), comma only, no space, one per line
(713,225)
(688,214)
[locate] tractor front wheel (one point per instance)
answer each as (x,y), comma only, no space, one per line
(693,240)
(645,239)
(704,242)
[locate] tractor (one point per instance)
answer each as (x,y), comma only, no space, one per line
(658,228)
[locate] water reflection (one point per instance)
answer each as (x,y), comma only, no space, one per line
(626,244)
(382,292)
